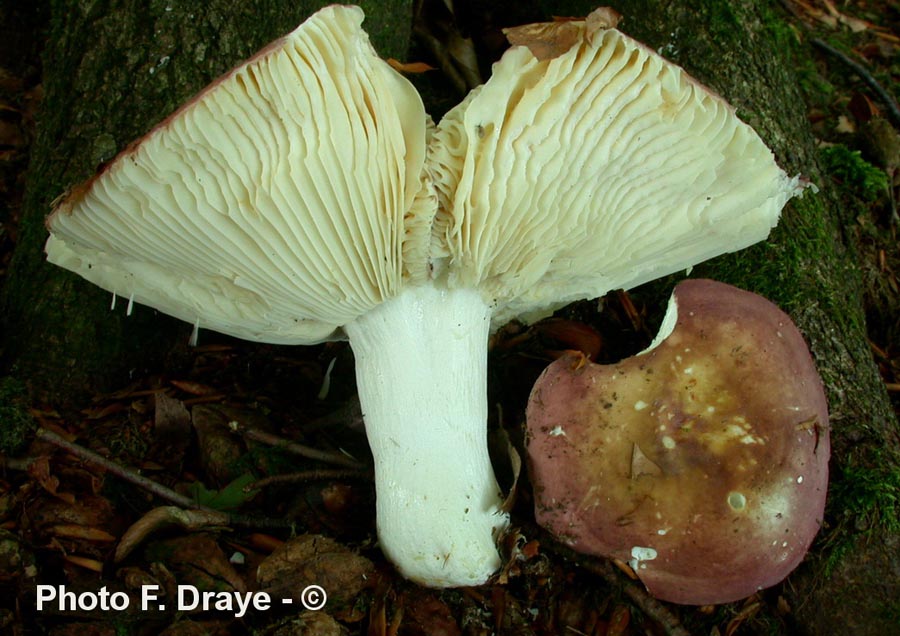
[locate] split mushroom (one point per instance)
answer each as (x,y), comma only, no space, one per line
(702,461)
(305,196)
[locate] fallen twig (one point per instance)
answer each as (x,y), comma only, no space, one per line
(638,595)
(603,568)
(116,469)
(293,447)
(153,487)
(308,476)
(886,98)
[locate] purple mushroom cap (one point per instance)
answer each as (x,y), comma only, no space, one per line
(701,462)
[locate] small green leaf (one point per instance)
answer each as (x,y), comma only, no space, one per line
(230,497)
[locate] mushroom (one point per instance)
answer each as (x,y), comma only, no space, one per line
(702,462)
(306,196)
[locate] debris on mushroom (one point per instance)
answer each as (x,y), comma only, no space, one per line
(702,462)
(305,196)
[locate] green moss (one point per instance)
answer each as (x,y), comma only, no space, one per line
(870,494)
(817,90)
(892,612)
(722,19)
(128,440)
(783,34)
(866,496)
(15,421)
(853,172)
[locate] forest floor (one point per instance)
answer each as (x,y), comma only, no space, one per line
(68,517)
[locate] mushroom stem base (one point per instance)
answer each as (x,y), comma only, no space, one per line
(421,367)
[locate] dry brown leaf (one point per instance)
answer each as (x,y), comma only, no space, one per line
(618,622)
(219,449)
(549,40)
(889,37)
(264,542)
(427,615)
(854,24)
(81,518)
(196,559)
(518,550)
(862,107)
(194,388)
(84,562)
(378,616)
(172,429)
(515,464)
(600,19)
(164,517)
(99,412)
(573,334)
(307,624)
(546,40)
(86,533)
(413,68)
(315,560)
(44,417)
(39,470)
(784,608)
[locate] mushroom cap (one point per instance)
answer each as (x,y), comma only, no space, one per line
(274,205)
(588,163)
(702,461)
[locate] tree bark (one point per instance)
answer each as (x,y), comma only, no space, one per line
(114,68)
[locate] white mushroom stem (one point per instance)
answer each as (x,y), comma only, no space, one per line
(421,367)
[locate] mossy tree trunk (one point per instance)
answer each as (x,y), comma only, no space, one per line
(113,69)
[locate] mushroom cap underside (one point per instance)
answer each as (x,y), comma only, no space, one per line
(598,168)
(305,187)
(271,206)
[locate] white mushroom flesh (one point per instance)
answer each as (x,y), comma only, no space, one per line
(438,504)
